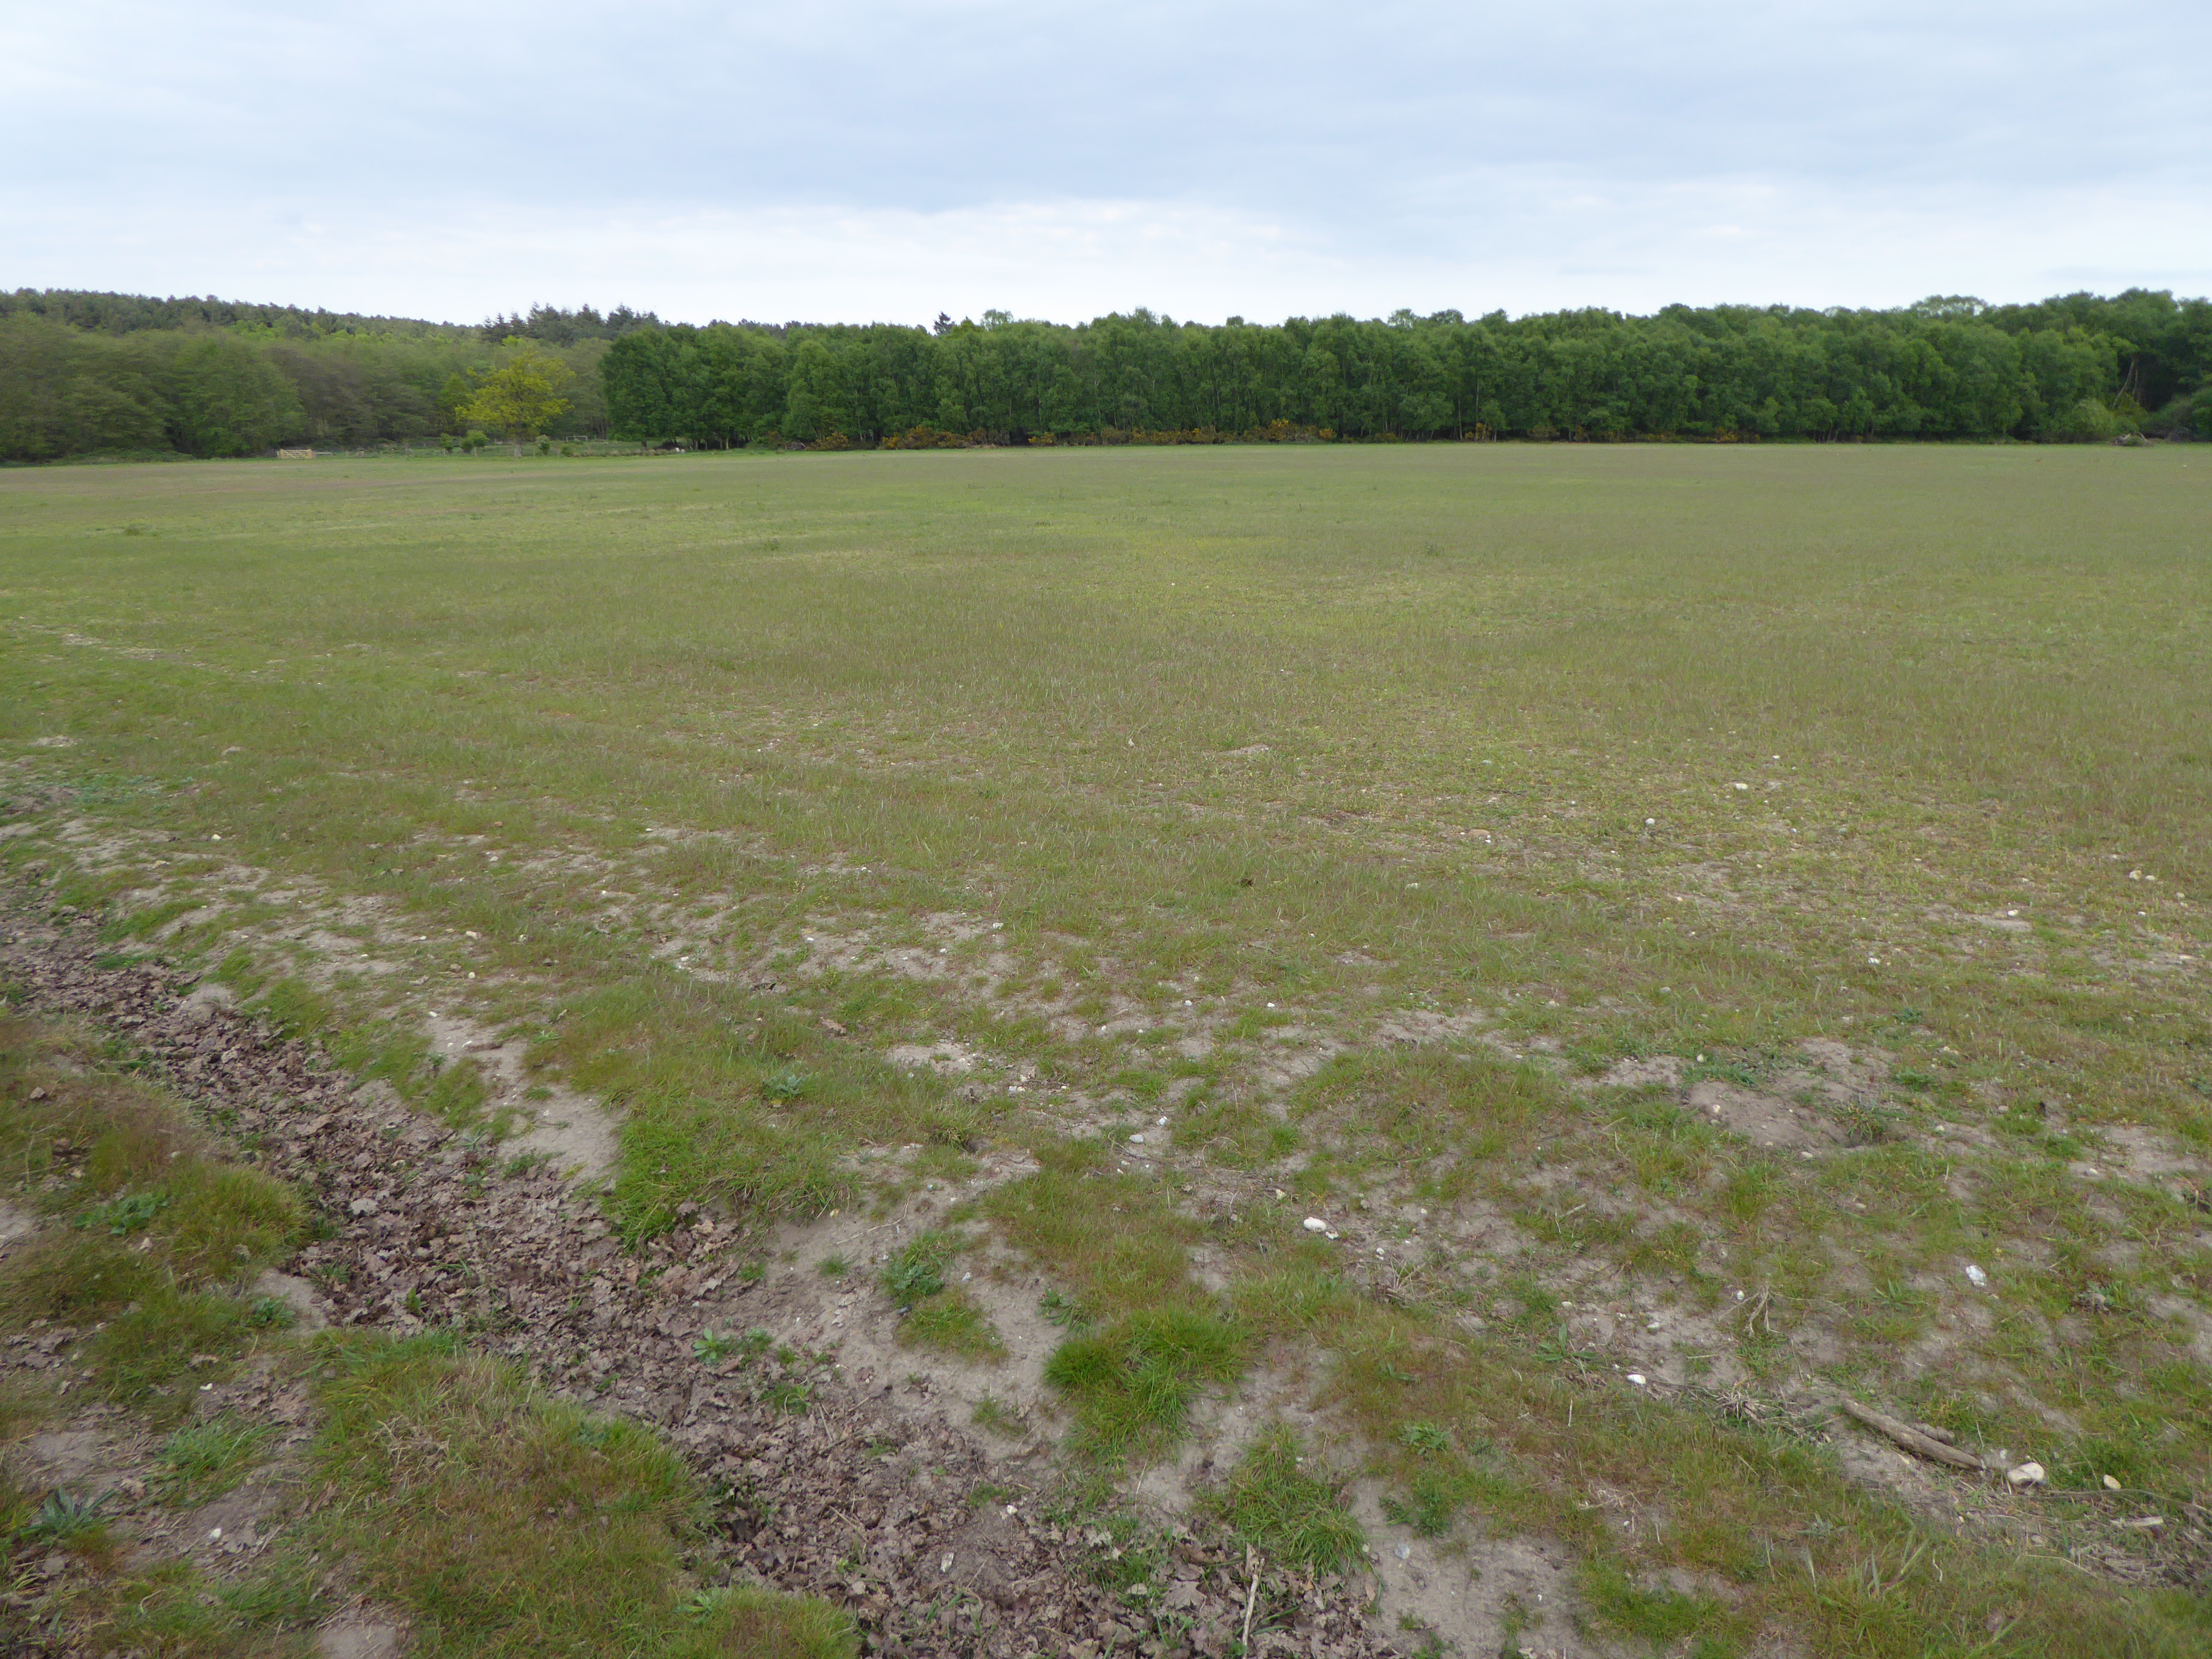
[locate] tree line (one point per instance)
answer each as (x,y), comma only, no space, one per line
(89,373)
(2078,368)
(92,374)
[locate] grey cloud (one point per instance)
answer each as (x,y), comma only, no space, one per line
(1428,130)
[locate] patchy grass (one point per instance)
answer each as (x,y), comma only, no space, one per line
(952,1321)
(132,1166)
(493,1521)
(1289,1506)
(1359,812)
(1132,1383)
(209,1458)
(754,1623)
(176,1609)
(456,1468)
(151,1230)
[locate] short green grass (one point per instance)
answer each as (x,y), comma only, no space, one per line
(1289,1505)
(681,769)
(952,1321)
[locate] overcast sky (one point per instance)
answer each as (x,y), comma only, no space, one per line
(833,161)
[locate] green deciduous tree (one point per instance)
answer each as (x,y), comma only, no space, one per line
(226,397)
(521,394)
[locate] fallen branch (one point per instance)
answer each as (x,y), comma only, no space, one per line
(1911,1438)
(1252,1595)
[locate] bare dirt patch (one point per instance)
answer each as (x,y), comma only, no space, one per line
(569,1131)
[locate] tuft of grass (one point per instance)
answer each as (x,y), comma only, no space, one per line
(207,1459)
(952,1321)
(1133,1383)
(1289,1506)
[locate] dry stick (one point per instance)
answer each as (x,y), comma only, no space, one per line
(1252,1595)
(1910,1437)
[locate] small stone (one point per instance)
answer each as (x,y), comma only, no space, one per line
(1314,1224)
(362,1206)
(2110,1485)
(1638,1379)
(2026,1474)
(1975,1276)
(1405,1552)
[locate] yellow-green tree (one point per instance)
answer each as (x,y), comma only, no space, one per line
(522,392)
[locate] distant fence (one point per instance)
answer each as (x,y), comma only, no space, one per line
(295,454)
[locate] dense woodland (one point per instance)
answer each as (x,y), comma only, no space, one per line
(87,373)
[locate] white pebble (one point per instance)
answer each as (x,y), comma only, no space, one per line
(1638,1379)
(1314,1224)
(1975,1275)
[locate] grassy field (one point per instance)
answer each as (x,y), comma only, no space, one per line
(1465,843)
